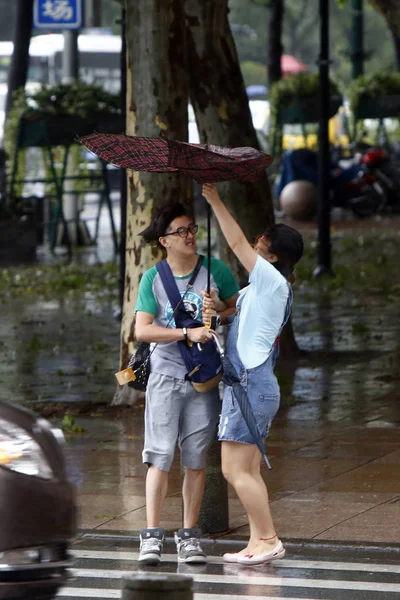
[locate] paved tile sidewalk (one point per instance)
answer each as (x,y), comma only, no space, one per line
(336,481)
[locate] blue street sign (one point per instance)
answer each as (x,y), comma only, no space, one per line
(58,14)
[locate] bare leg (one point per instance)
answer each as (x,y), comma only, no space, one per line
(156,492)
(241,468)
(192,491)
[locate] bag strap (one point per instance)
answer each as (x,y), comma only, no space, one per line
(288,308)
(170,285)
(287,314)
(169,281)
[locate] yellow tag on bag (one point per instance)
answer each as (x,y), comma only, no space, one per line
(125,376)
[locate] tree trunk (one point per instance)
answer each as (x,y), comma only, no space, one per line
(157,100)
(220,103)
(275,49)
(20,59)
(390,9)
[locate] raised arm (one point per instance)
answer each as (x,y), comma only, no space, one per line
(231,230)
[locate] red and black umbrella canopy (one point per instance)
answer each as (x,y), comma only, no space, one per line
(204,163)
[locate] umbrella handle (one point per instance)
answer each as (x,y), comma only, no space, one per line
(208,247)
(217,343)
(208,241)
(213,324)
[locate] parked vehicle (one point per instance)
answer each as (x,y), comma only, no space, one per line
(386,166)
(37,507)
(356,186)
(353,183)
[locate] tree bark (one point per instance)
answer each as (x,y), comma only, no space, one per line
(220,103)
(221,106)
(20,59)
(390,9)
(157,99)
(275,48)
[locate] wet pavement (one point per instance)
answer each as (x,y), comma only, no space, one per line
(333,480)
(308,572)
(334,446)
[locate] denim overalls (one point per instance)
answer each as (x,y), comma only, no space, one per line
(260,384)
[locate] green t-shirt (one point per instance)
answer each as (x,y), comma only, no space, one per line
(152,298)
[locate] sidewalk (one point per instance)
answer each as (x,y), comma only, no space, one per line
(335,478)
(335,444)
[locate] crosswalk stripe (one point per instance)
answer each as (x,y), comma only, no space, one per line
(293,564)
(218,597)
(111,594)
(241,579)
(88,593)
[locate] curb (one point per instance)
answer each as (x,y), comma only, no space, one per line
(294,545)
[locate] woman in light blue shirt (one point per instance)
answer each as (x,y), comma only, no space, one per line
(252,348)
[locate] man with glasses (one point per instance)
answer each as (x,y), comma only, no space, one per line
(175,411)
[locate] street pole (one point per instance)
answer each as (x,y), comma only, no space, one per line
(70,61)
(77,231)
(124,183)
(324,206)
(18,72)
(93,13)
(357,38)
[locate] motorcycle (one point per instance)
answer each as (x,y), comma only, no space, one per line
(353,183)
(356,186)
(387,175)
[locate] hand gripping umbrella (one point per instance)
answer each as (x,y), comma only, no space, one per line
(204,163)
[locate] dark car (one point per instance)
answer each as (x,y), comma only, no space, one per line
(37,507)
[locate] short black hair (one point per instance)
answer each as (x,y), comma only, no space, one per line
(162,220)
(287,243)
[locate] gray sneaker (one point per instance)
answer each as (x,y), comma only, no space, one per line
(151,543)
(188,546)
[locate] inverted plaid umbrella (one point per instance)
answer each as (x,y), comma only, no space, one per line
(204,163)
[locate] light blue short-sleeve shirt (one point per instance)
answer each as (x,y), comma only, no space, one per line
(262,310)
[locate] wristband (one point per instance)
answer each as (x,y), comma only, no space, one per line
(185,333)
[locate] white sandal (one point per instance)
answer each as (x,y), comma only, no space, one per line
(231,557)
(259,559)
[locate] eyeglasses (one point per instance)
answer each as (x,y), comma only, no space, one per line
(184,231)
